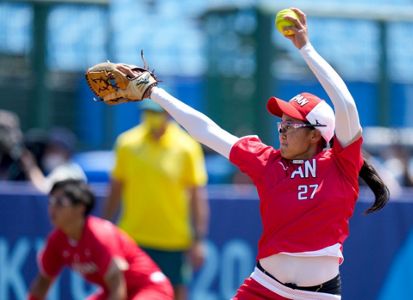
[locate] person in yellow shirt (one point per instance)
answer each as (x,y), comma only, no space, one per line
(160,175)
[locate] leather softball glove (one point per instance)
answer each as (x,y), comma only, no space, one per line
(118,83)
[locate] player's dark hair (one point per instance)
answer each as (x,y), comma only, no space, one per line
(382,194)
(77,191)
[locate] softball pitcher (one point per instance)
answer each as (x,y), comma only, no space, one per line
(307,188)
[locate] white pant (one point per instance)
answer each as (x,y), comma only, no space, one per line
(284,291)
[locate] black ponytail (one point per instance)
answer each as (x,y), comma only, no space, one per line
(370,176)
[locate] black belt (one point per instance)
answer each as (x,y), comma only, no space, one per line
(333,286)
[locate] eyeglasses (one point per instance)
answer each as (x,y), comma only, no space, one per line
(285,126)
(59,201)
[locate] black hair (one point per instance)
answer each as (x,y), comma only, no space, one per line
(373,180)
(77,191)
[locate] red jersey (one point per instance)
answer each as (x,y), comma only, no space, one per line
(101,242)
(305,205)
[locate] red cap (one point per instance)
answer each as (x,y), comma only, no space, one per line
(306,107)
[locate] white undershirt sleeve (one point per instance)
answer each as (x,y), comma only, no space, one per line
(347,119)
(198,125)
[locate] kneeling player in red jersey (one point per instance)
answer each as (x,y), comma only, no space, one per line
(97,249)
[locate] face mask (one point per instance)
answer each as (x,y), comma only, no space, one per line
(52,161)
(154,121)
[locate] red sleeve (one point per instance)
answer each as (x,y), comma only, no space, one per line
(50,258)
(250,155)
(102,257)
(349,158)
(105,246)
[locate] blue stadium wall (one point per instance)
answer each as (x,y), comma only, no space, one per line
(378,254)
